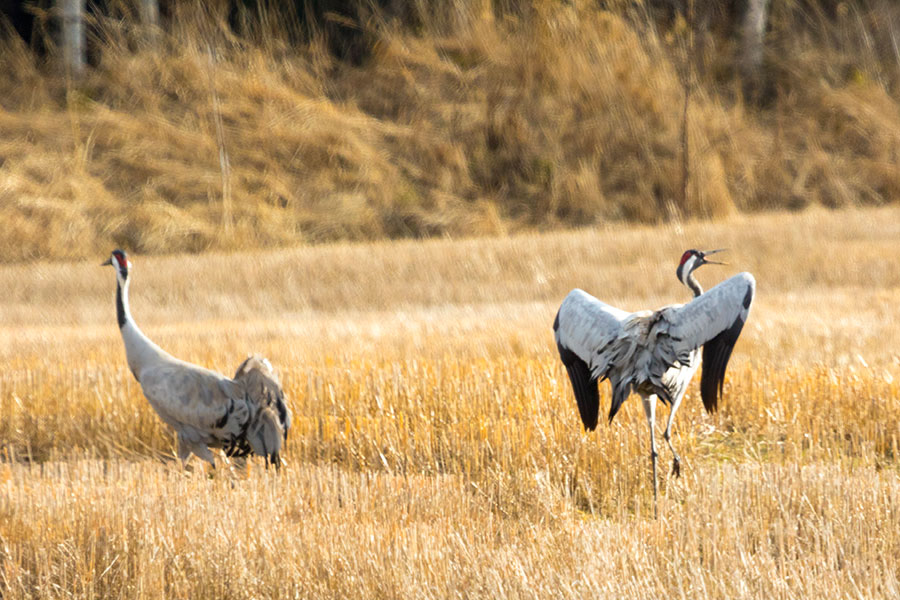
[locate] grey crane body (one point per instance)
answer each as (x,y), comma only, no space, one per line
(243,415)
(653,353)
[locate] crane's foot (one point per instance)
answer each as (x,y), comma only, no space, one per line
(676,467)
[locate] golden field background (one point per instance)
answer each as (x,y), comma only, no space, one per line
(475,122)
(436,449)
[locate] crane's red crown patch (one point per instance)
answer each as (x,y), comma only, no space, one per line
(686,256)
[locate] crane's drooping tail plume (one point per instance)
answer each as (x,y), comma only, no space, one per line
(268,430)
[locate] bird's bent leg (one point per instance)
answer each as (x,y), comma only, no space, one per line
(676,461)
(650,410)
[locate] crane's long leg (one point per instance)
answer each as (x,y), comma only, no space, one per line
(650,410)
(676,462)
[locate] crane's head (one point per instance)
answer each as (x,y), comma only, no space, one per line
(693,259)
(119,260)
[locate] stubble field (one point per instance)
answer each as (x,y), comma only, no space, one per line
(436,450)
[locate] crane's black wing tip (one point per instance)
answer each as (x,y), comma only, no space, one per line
(716,354)
(587,393)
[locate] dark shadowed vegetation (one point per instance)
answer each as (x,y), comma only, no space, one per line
(243,126)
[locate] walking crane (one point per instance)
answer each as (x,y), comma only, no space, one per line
(243,415)
(653,353)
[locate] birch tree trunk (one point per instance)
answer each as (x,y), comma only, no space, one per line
(752,44)
(150,22)
(150,13)
(73,45)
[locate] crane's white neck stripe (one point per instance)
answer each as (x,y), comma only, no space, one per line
(687,275)
(686,270)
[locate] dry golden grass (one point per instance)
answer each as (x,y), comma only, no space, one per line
(436,448)
(469,127)
(744,530)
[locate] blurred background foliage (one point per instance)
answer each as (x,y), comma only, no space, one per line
(244,124)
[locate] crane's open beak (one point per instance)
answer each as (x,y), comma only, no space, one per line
(713,262)
(107,262)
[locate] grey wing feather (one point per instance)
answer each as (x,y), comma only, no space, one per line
(184,394)
(713,320)
(585,329)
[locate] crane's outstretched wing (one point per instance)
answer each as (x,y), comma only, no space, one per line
(713,320)
(585,329)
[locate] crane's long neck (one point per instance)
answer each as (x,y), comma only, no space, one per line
(692,284)
(686,275)
(140,351)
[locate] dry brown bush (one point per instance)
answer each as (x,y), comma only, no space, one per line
(476,124)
